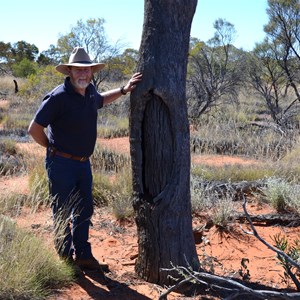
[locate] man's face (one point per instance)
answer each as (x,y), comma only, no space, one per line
(80,76)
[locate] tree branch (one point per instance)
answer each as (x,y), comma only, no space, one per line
(217,282)
(235,288)
(279,252)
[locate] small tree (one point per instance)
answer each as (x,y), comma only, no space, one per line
(283,34)
(269,80)
(214,70)
(273,67)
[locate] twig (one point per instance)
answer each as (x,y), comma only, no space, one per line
(254,232)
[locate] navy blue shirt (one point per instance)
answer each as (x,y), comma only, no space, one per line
(71,119)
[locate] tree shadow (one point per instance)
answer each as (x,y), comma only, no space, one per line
(99,286)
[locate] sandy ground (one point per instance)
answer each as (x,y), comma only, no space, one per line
(116,244)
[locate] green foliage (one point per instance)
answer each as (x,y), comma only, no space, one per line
(24,68)
(102,188)
(293,251)
(22,50)
(112,181)
(123,65)
(20,53)
(29,270)
(39,84)
(214,72)
(49,57)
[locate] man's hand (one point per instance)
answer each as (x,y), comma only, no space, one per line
(131,84)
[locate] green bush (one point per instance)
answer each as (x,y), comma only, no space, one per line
(24,68)
(40,83)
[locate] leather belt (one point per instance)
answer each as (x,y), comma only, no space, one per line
(54,151)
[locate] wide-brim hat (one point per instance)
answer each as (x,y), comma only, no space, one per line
(79,58)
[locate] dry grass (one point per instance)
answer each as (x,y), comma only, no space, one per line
(31,270)
(223,132)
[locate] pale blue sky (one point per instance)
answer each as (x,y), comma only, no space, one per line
(39,22)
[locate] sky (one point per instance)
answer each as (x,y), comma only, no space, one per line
(40,22)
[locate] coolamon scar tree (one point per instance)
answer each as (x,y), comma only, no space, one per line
(159,140)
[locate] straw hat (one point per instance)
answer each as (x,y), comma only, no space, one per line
(79,58)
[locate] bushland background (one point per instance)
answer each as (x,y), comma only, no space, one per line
(244,139)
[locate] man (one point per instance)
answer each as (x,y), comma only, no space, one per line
(69,112)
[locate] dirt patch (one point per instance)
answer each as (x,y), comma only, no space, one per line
(116,243)
(222,160)
(120,145)
(4,104)
(14,185)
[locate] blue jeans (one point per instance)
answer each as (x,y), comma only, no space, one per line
(70,186)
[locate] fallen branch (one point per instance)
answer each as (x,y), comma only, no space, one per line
(277,251)
(236,189)
(230,286)
(235,288)
(271,219)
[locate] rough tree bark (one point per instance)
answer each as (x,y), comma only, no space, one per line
(159,141)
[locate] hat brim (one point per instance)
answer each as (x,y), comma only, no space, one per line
(64,68)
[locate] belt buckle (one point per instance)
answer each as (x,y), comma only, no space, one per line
(84,158)
(52,151)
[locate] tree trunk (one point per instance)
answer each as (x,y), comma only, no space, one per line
(159,141)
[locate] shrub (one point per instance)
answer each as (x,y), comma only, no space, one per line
(277,193)
(201,198)
(29,270)
(43,81)
(24,68)
(223,211)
